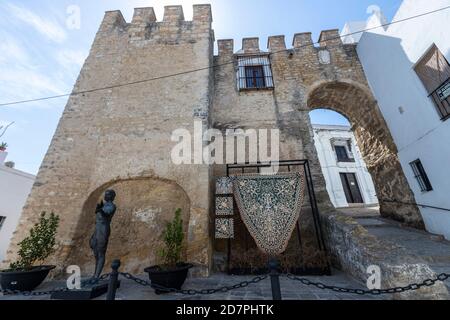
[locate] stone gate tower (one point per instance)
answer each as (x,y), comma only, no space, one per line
(120,136)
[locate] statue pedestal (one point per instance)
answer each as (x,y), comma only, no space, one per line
(88,292)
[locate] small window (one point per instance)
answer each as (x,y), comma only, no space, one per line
(434,72)
(254,72)
(421,176)
(254,76)
(2,220)
(342,154)
(343,149)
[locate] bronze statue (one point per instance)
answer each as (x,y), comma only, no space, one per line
(99,240)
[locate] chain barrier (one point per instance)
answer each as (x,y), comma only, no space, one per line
(412,287)
(192,292)
(84,284)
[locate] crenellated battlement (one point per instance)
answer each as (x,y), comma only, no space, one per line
(144,25)
(328,38)
(143,16)
(250,45)
(112,20)
(225,47)
(174,27)
(302,40)
(173,14)
(276,43)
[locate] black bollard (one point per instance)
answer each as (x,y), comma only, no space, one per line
(274,266)
(113,280)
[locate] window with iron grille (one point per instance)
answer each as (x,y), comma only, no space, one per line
(434,72)
(421,176)
(2,220)
(254,72)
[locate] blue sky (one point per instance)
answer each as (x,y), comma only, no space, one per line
(41,55)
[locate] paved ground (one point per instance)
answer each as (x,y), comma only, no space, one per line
(433,249)
(261,291)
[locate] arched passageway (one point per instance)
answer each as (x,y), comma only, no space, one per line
(375,142)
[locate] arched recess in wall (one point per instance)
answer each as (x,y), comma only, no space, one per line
(144,206)
(375,142)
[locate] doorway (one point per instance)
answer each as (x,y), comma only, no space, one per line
(351,188)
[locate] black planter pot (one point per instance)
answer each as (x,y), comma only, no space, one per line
(172,279)
(24,280)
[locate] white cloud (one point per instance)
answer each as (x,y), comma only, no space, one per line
(69,58)
(11,50)
(50,29)
(22,83)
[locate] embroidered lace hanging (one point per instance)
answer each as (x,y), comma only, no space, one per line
(270,207)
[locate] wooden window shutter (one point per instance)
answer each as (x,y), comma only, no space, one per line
(433,69)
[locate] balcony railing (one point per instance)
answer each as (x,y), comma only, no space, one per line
(441,98)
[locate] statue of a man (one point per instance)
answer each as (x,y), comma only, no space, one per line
(99,240)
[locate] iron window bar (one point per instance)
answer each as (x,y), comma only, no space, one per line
(2,221)
(441,98)
(421,176)
(254,72)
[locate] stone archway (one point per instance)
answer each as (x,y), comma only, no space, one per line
(377,146)
(144,206)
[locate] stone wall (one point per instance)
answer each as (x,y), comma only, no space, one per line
(144,206)
(124,132)
(115,135)
(307,77)
(353,250)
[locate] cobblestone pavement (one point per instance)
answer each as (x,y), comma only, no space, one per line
(262,291)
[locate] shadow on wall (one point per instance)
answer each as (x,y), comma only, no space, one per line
(144,206)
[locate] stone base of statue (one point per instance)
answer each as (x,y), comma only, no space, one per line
(87,292)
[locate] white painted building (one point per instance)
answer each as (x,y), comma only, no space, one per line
(347,179)
(15,187)
(407,67)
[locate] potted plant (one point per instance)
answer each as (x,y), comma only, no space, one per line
(3,146)
(26,273)
(173,272)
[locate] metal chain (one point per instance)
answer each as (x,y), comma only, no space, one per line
(192,292)
(50,292)
(416,286)
(93,281)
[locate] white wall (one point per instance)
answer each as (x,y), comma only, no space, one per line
(331,168)
(15,187)
(388,57)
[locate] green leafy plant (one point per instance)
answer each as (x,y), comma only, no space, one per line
(40,243)
(3,146)
(173,241)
